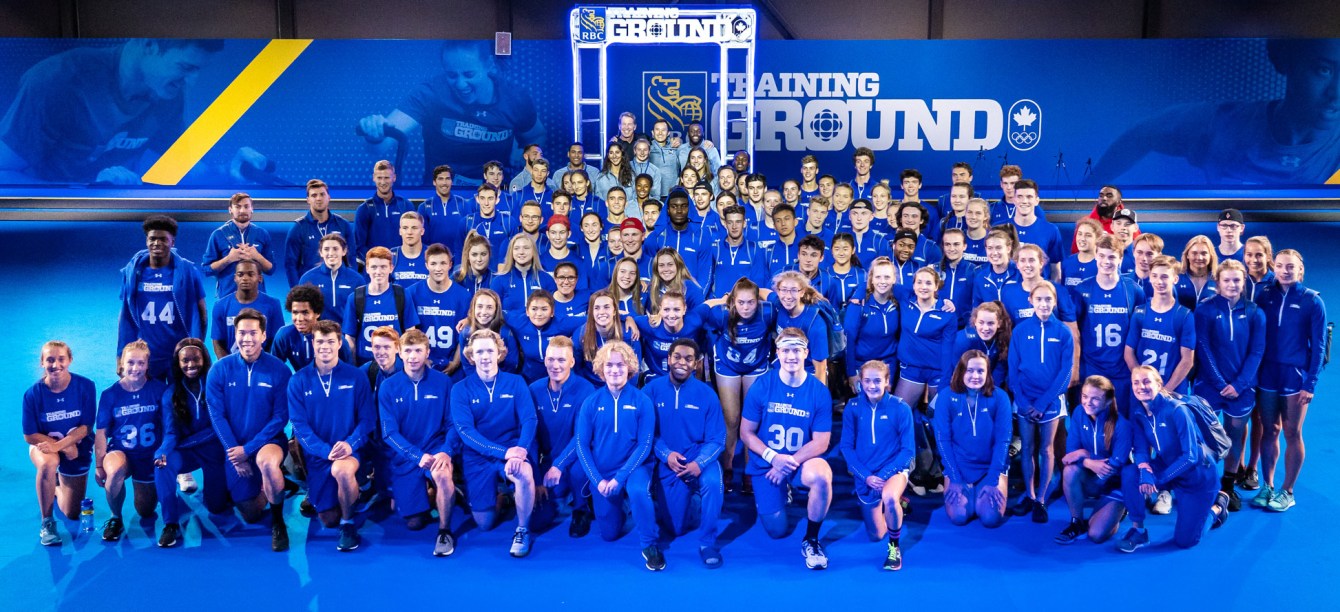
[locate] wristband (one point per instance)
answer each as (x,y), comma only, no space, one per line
(769,455)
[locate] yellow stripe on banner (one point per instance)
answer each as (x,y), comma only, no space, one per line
(224,111)
(1335,179)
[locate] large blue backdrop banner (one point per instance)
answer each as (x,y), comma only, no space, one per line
(1212,113)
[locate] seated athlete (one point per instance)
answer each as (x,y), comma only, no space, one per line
(130,427)
(58,413)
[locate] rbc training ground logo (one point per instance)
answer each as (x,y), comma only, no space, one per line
(1025,125)
(674,97)
(591,25)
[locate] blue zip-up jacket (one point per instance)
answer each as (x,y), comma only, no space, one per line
(188,288)
(732,263)
(656,340)
(694,244)
(510,363)
(558,419)
(877,438)
(1168,440)
(614,436)
(689,420)
(491,423)
(515,288)
(972,432)
(223,239)
(959,281)
(192,434)
(1089,433)
(302,246)
(321,418)
(1255,287)
(989,286)
(444,222)
(583,367)
(1231,341)
(377,223)
(336,286)
(535,340)
(415,417)
(1295,329)
(295,348)
(872,332)
(926,335)
(248,403)
(968,340)
(1042,354)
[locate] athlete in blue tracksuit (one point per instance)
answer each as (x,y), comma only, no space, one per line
(1042,355)
(239,239)
(189,441)
(872,324)
(227,307)
(515,286)
(336,280)
(1170,454)
(557,398)
(656,340)
(332,409)
(983,333)
(879,447)
(1105,306)
(690,434)
(377,219)
(1231,341)
(958,278)
(1098,446)
(615,431)
(495,416)
(419,441)
(1295,343)
(302,246)
(972,431)
(734,257)
(248,405)
(162,297)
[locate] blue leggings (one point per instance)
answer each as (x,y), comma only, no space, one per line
(678,494)
(609,510)
(1195,491)
(208,457)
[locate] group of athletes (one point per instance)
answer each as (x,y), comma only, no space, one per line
(475,349)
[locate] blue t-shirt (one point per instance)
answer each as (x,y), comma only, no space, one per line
(466,135)
(378,310)
(133,420)
(55,414)
(408,271)
(438,314)
(787,417)
(1104,320)
(1074,272)
(1158,337)
(160,325)
(221,319)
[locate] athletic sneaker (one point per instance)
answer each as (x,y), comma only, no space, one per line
(1135,538)
(1220,500)
(1163,503)
(348,537)
(367,500)
(186,482)
(1234,500)
(170,536)
(1249,481)
(279,537)
(815,558)
(1022,507)
(48,535)
(1078,529)
(710,555)
(112,529)
(520,543)
(580,525)
(445,544)
(306,508)
(1264,497)
(655,560)
(1040,512)
(894,561)
(1281,502)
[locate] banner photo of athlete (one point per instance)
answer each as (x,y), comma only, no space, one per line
(156,114)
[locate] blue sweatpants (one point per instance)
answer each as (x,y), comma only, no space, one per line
(208,457)
(1194,493)
(609,510)
(677,495)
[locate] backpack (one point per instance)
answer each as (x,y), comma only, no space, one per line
(837,341)
(361,302)
(1212,431)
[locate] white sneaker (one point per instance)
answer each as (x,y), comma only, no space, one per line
(1163,504)
(186,482)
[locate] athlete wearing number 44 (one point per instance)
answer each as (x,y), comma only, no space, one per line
(162,297)
(792,410)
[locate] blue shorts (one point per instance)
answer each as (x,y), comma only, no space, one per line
(1100,489)
(78,466)
(322,490)
(245,489)
(770,498)
(922,376)
(1055,411)
(731,369)
(1239,408)
(139,465)
(1283,379)
(867,496)
(481,480)
(409,488)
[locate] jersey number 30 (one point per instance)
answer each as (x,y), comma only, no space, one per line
(788,439)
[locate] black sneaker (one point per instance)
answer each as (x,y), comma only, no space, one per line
(1078,529)
(170,536)
(1234,500)
(349,539)
(1040,512)
(894,561)
(1022,507)
(112,529)
(711,556)
(747,486)
(279,538)
(306,508)
(655,560)
(1249,480)
(580,525)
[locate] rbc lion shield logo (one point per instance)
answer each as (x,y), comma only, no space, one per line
(677,98)
(590,24)
(1025,125)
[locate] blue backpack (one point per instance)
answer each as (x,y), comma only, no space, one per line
(1212,432)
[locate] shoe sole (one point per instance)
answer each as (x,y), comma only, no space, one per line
(1137,547)
(56,543)
(517,555)
(442,554)
(349,549)
(167,545)
(1277,509)
(816,566)
(893,568)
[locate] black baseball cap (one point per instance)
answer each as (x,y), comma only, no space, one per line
(1232,214)
(1125,213)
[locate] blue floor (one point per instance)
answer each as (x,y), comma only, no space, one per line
(63,282)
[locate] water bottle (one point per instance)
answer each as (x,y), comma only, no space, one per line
(86,515)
